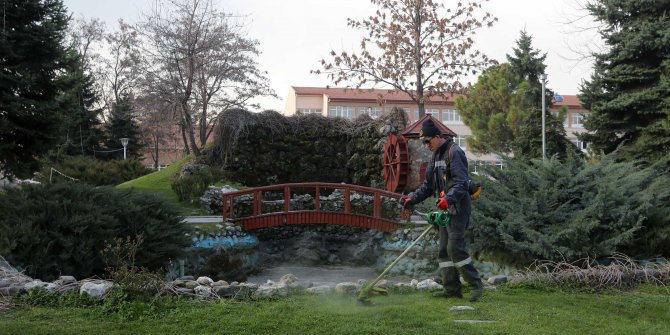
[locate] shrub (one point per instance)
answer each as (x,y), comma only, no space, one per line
(564,211)
(193,186)
(56,229)
(93,171)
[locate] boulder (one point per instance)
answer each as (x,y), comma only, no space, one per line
(205,281)
(203,291)
(321,289)
(96,289)
(428,285)
(268,291)
(497,280)
(347,288)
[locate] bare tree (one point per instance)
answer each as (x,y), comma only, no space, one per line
(201,58)
(157,121)
(415,46)
(121,61)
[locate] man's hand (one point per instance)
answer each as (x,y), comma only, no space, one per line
(443,204)
(407,203)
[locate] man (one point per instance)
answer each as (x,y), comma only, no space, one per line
(447,179)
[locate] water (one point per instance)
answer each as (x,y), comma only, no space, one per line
(319,275)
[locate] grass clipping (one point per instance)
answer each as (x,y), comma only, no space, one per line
(622,273)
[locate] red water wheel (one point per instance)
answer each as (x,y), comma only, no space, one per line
(396,162)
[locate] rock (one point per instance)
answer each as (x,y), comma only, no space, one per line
(203,291)
(179,283)
(64,280)
(461,308)
(236,291)
(97,289)
(10,290)
(186,278)
(191,284)
(428,285)
(346,288)
(383,283)
(290,281)
(34,284)
(497,280)
(306,254)
(268,291)
(5,283)
(184,291)
(220,283)
(321,289)
(205,281)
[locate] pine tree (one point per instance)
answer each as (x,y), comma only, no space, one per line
(82,133)
(503,108)
(122,124)
(32,60)
(629,93)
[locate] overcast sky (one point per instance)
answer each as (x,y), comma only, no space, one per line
(295,34)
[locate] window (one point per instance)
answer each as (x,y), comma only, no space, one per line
(342,111)
(451,116)
(461,141)
(577,120)
(374,112)
(306,111)
(580,144)
(434,113)
(499,164)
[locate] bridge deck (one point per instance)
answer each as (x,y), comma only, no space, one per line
(258,219)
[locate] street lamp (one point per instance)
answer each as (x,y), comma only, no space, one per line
(543,78)
(124,141)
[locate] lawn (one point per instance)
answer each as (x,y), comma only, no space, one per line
(159,182)
(512,310)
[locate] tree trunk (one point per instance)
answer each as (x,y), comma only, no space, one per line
(183,136)
(188,128)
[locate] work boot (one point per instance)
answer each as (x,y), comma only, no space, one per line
(476,294)
(448,294)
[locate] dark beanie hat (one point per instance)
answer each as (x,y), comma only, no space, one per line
(429,129)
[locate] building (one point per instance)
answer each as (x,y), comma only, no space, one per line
(351,103)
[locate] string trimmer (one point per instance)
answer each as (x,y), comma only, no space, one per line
(439,218)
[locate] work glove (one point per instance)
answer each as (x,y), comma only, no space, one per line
(442,204)
(407,203)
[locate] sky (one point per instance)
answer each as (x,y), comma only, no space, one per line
(294,35)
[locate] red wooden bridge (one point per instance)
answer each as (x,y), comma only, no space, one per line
(256,218)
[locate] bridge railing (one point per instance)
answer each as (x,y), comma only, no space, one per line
(315,189)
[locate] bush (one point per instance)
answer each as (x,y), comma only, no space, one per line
(48,230)
(93,171)
(564,211)
(194,186)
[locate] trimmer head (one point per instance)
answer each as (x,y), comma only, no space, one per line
(366,293)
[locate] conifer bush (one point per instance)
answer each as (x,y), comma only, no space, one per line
(93,171)
(564,211)
(49,230)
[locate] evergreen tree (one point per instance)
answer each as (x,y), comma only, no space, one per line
(528,64)
(122,124)
(629,93)
(567,210)
(82,134)
(503,108)
(32,61)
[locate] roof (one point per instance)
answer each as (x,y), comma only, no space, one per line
(569,101)
(339,93)
(412,131)
(390,95)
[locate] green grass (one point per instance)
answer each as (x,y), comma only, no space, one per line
(513,310)
(158,182)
